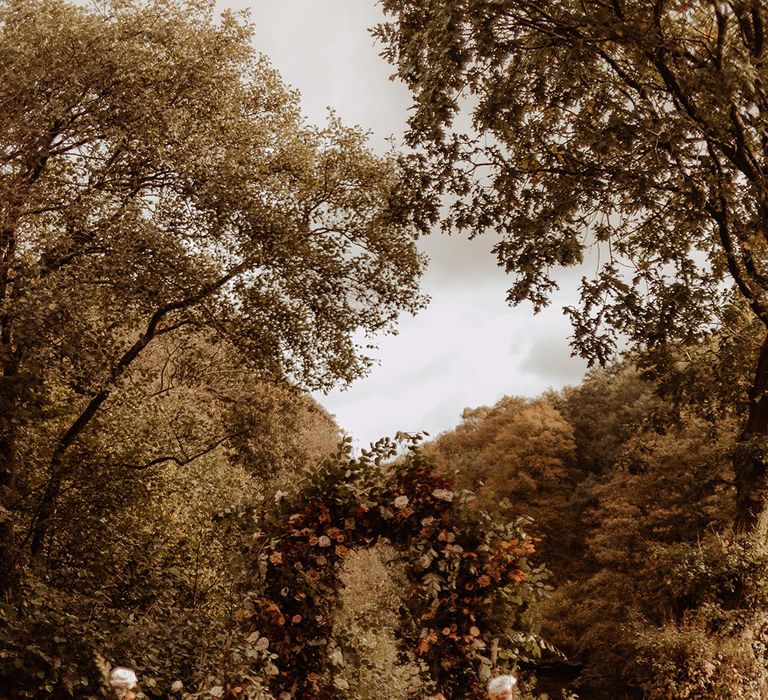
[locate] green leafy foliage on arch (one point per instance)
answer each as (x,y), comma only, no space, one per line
(472,589)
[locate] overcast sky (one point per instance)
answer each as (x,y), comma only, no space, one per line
(468,348)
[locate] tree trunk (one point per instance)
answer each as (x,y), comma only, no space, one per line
(10,401)
(7,494)
(9,388)
(751,456)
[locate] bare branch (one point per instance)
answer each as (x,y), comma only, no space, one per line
(184,460)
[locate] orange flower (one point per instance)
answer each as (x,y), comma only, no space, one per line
(423,647)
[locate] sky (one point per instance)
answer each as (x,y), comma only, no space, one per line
(468,347)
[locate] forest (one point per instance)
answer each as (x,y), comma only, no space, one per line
(184,258)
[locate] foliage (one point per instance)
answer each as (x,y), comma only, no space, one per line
(50,645)
(652,487)
(141,567)
(518,457)
(615,489)
(632,123)
(606,409)
(628,133)
(159,184)
(691,661)
(714,649)
(666,493)
(469,578)
(156,597)
(373,585)
(36,659)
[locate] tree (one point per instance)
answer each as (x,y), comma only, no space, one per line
(606,409)
(519,452)
(635,127)
(140,566)
(655,510)
(157,179)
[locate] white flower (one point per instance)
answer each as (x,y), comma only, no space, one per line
(341,684)
(324,541)
(401,501)
(443,494)
(177,687)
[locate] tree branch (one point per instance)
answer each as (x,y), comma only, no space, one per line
(57,470)
(720,215)
(182,461)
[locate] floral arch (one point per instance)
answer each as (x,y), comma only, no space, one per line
(471,586)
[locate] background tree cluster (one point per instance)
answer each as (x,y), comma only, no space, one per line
(654,596)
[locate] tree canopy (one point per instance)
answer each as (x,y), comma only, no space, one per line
(158,180)
(518,457)
(629,131)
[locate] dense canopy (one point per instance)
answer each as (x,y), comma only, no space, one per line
(626,134)
(158,180)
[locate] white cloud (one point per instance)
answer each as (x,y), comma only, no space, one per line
(467,349)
